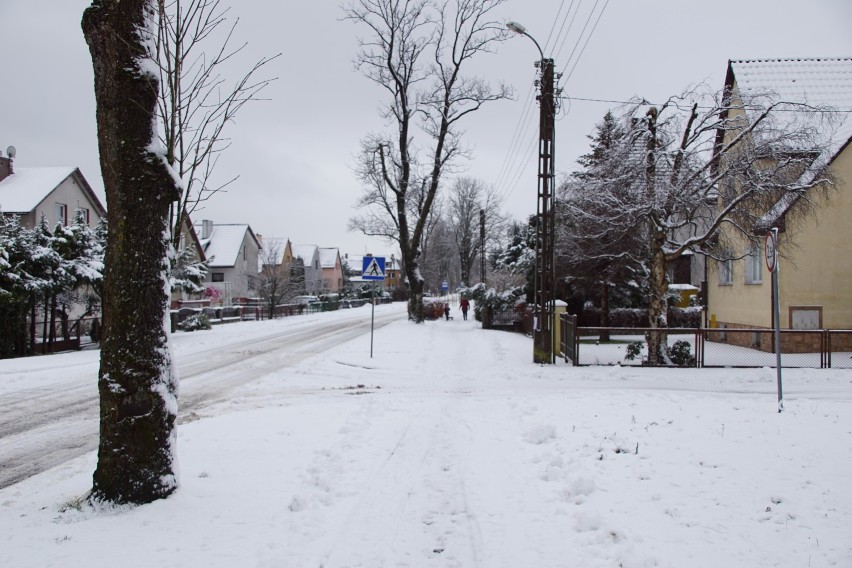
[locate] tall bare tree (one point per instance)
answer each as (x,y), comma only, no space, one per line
(137,383)
(700,170)
(417,51)
(279,279)
(466,200)
(194,100)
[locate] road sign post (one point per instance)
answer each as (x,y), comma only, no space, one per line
(373,268)
(771,251)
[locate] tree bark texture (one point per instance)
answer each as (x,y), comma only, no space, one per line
(136,382)
(657,261)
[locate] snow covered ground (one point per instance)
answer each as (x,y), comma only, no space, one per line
(450,448)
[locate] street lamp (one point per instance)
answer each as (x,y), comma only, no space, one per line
(544,285)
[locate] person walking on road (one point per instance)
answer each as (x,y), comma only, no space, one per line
(465,306)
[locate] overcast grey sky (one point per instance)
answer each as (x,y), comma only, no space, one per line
(294,153)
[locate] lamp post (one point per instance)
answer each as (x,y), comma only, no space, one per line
(544,285)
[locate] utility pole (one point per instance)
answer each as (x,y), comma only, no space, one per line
(482,245)
(545,288)
(544,265)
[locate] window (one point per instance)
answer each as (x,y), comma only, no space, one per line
(754,265)
(85,213)
(725,272)
(805,317)
(61,214)
(218,276)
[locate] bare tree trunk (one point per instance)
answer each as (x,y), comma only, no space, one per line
(604,336)
(657,261)
(137,385)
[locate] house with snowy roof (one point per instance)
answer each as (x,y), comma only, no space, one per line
(233,252)
(815,271)
(309,257)
(332,269)
(55,193)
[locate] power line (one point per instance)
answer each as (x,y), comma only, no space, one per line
(704,107)
(591,33)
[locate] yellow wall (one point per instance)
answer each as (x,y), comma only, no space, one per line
(818,272)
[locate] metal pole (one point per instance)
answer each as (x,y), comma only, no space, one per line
(777,307)
(372,319)
(482,245)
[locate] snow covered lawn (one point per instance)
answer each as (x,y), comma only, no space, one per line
(450,448)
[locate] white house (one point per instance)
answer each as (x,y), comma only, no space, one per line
(55,193)
(310,256)
(233,252)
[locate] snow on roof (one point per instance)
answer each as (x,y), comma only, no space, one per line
(22,191)
(305,252)
(814,81)
(225,244)
(328,257)
(821,82)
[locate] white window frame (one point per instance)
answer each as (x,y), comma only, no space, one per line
(60,213)
(753,269)
(726,272)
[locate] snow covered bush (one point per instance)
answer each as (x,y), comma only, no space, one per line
(492,299)
(194,322)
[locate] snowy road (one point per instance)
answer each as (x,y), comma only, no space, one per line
(49,405)
(447,449)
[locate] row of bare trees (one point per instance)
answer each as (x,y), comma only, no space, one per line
(466,223)
(418,52)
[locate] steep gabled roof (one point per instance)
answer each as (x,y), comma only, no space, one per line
(22,191)
(328,257)
(305,252)
(282,244)
(224,246)
(820,82)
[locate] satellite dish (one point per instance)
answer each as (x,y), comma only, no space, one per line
(10,151)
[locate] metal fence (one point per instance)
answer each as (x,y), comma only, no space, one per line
(510,319)
(64,336)
(703,347)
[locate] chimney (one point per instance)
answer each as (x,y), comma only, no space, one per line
(6,164)
(206,229)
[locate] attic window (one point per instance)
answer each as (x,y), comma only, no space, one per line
(61,214)
(218,276)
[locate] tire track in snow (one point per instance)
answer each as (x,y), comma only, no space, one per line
(47,426)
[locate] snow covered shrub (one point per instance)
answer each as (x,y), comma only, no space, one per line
(433,309)
(194,322)
(634,349)
(483,297)
(681,354)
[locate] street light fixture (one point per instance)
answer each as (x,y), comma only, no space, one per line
(543,328)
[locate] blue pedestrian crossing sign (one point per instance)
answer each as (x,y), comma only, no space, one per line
(373,268)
